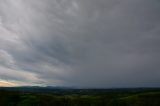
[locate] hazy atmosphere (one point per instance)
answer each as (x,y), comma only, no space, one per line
(80,43)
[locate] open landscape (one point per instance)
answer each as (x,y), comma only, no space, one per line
(50,96)
(79,52)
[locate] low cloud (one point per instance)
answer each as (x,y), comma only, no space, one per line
(83,43)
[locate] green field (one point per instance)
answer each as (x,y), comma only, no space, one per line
(79,97)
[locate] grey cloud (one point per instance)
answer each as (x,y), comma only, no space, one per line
(85,43)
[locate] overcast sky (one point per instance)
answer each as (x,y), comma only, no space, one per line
(80,43)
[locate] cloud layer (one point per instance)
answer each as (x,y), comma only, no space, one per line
(83,43)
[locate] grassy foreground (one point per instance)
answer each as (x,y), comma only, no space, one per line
(79,97)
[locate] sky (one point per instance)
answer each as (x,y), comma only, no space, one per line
(80,43)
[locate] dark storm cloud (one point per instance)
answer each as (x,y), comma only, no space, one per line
(85,43)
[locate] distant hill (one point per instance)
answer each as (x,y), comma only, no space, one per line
(59,96)
(143,99)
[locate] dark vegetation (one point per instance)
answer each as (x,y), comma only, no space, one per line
(48,96)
